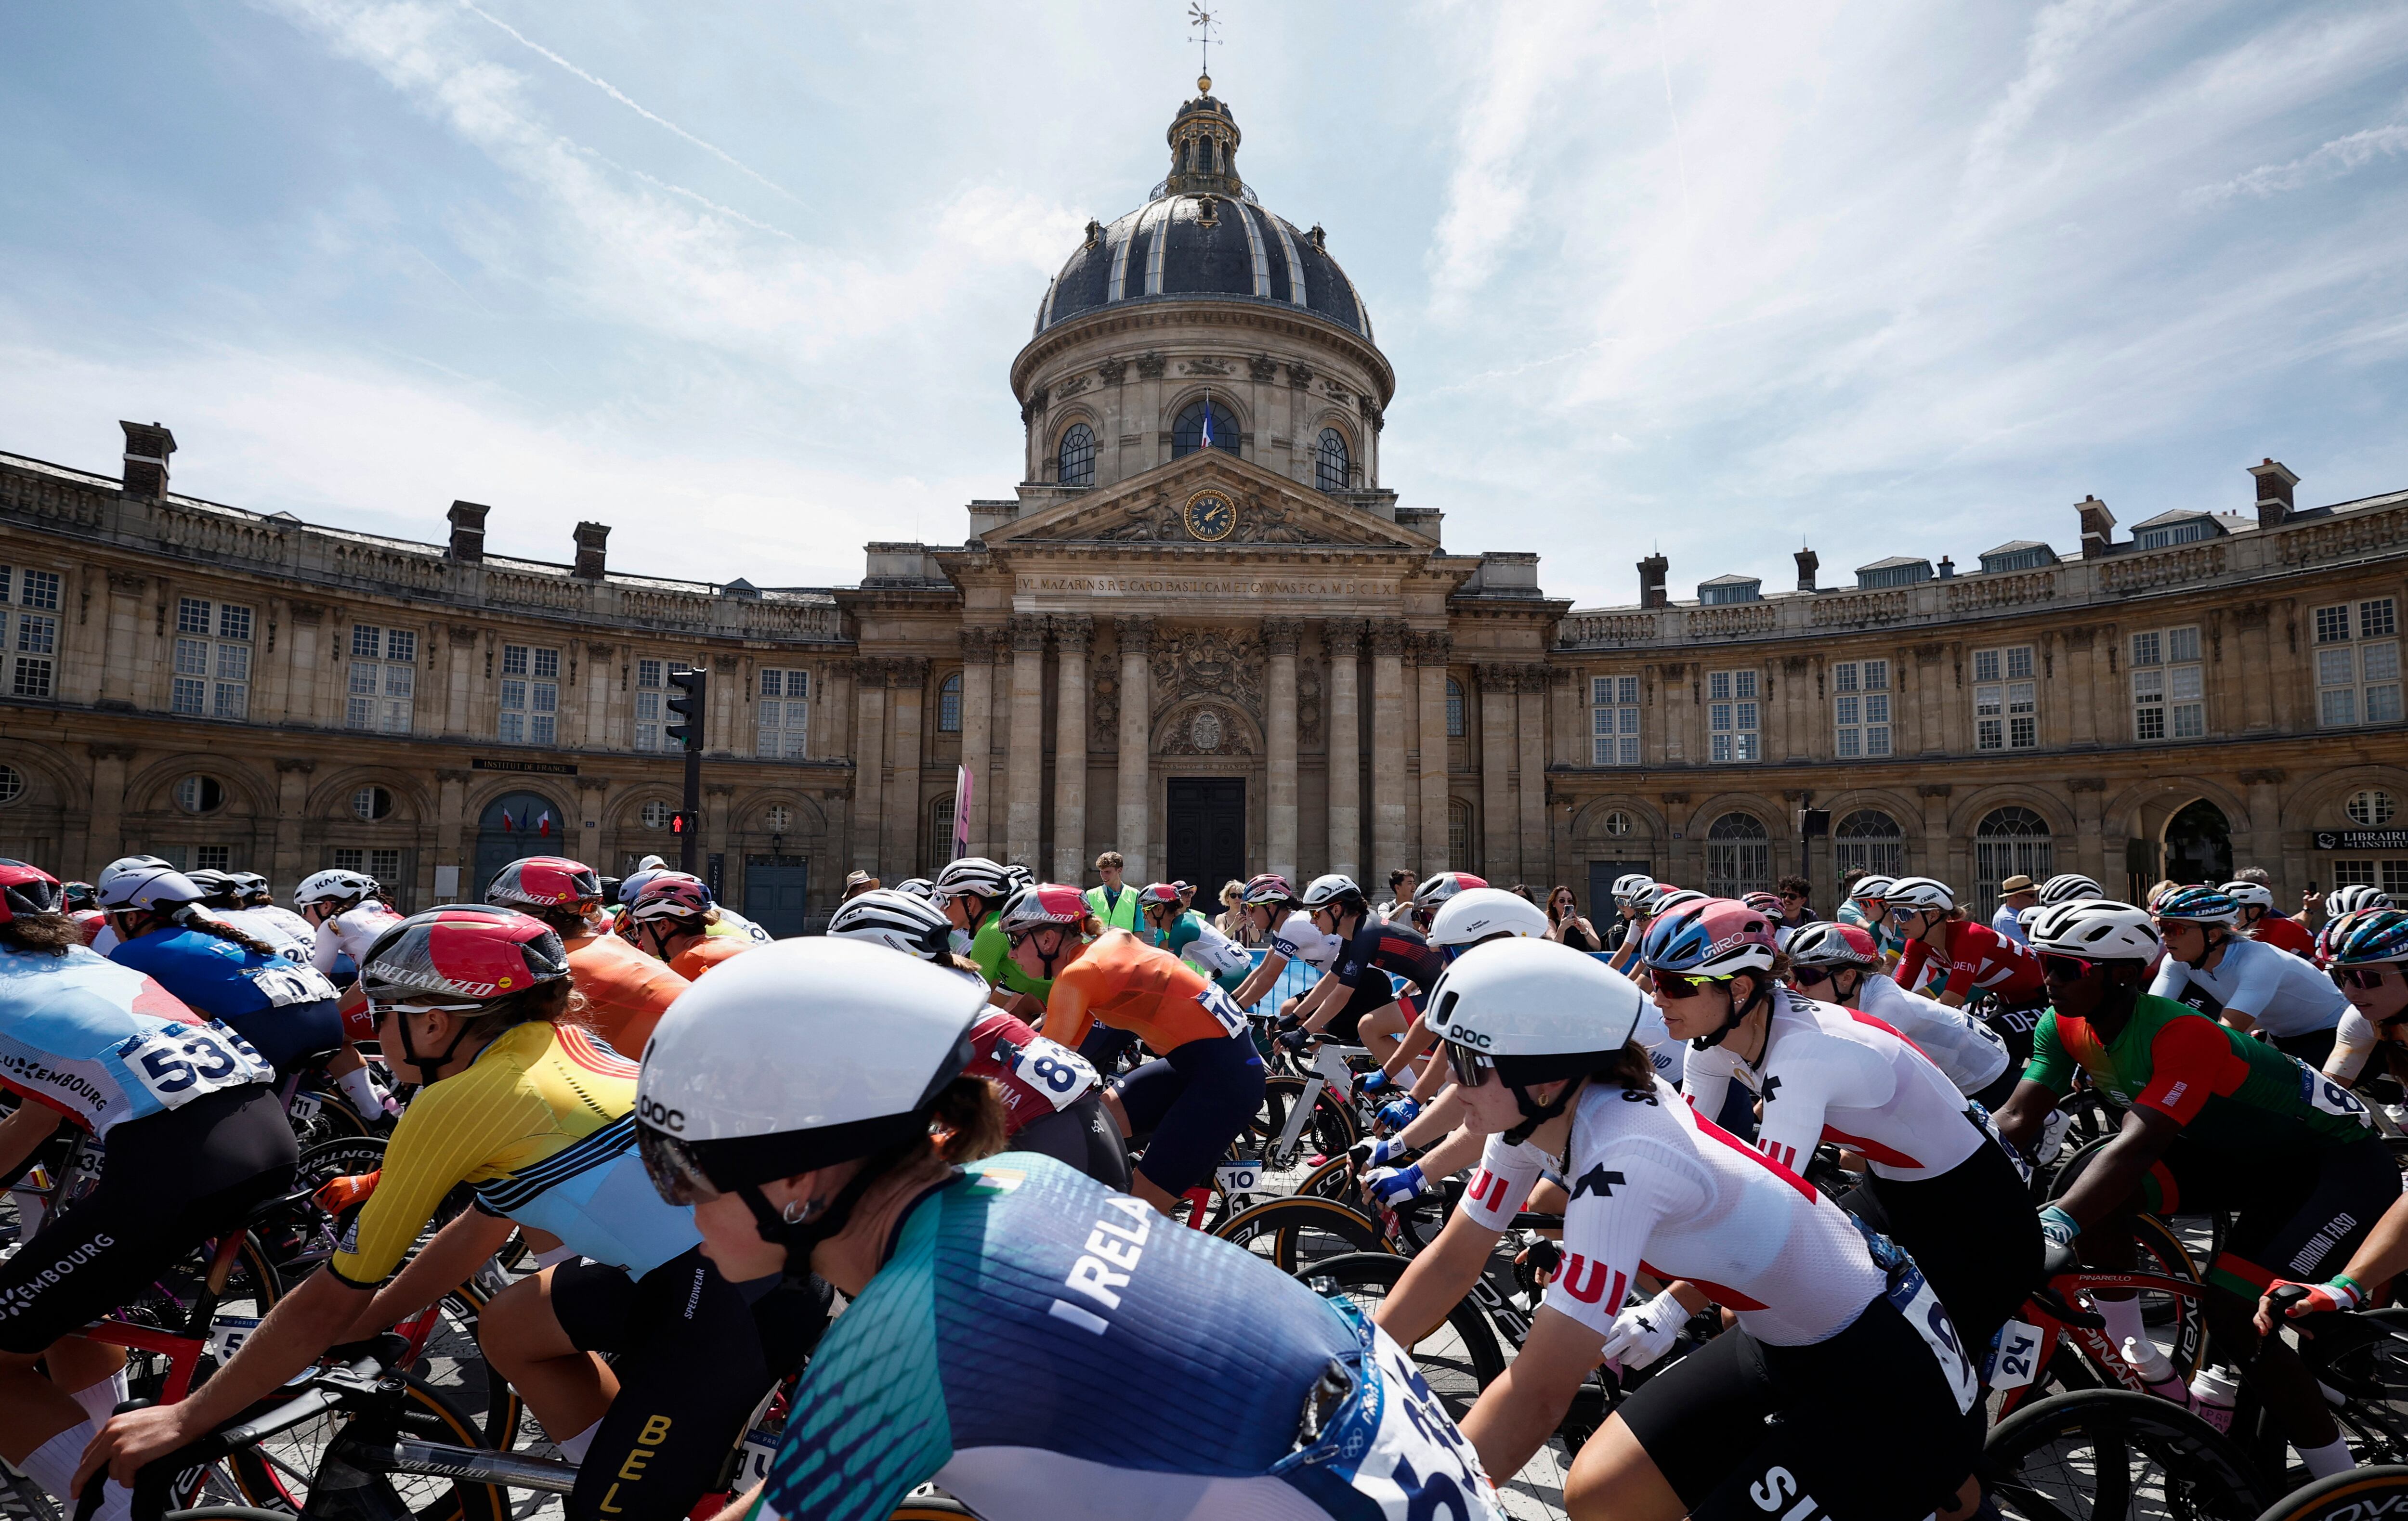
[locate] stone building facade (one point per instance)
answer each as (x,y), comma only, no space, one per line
(1203,634)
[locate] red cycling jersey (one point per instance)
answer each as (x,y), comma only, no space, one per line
(1980,958)
(1032,1075)
(2285,934)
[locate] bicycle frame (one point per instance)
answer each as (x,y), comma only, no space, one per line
(2084,1329)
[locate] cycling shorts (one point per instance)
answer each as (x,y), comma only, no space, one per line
(694,1355)
(284,1036)
(1192,1102)
(1698,1416)
(1970,1229)
(1081,1135)
(169,1182)
(1376,992)
(2014,1025)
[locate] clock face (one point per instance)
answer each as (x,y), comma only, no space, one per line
(1211,516)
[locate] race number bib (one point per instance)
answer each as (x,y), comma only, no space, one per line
(753,1463)
(226,1335)
(179,1064)
(1238,1177)
(2330,1097)
(2015,1360)
(288,984)
(1223,1008)
(1053,1070)
(1915,1300)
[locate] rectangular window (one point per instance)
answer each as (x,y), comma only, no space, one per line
(2357,679)
(212,659)
(384,865)
(2168,685)
(34,666)
(1731,714)
(213,858)
(650,676)
(1860,708)
(785,720)
(383,679)
(530,708)
(1613,720)
(2006,700)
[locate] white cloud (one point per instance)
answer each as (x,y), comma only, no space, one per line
(2330,162)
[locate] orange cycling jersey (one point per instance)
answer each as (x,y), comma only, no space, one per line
(1120,981)
(626,990)
(706,953)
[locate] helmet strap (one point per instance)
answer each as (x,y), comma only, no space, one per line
(815,1222)
(429,1068)
(1535,1113)
(1855,987)
(1739,1012)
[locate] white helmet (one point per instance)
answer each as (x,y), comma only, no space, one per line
(1334,887)
(1664,896)
(1924,894)
(145,881)
(892,918)
(1444,886)
(1534,1011)
(917,887)
(2067,885)
(1481,914)
(2095,929)
(1631,886)
(988,879)
(2249,894)
(333,886)
(2356,895)
(1870,887)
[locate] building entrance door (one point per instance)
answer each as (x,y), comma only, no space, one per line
(513,826)
(1602,875)
(1207,832)
(774,893)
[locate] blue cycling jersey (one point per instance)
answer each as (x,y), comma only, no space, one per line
(1044,1348)
(103,1043)
(284,1008)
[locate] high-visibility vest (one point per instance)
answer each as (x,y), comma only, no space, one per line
(1121,915)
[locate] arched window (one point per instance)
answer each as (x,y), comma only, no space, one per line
(1739,857)
(1187,435)
(949,704)
(1870,839)
(1330,461)
(1453,708)
(1077,456)
(2009,842)
(1458,836)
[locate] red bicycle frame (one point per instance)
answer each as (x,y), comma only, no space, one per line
(2084,1329)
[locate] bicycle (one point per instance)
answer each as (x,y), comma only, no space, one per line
(2116,1451)
(2026,1351)
(2359,1495)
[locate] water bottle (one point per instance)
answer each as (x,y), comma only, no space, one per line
(2156,1374)
(2212,1394)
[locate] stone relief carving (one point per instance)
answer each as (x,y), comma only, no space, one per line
(1299,375)
(1104,708)
(1307,703)
(1149,366)
(1112,370)
(1336,392)
(1207,730)
(1263,521)
(1070,386)
(1155,521)
(1205,367)
(1262,367)
(1208,662)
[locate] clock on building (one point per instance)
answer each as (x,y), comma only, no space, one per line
(1210,515)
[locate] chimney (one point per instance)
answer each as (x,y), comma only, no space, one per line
(147,447)
(468,531)
(1947,567)
(1651,582)
(591,539)
(2274,483)
(2097,527)
(1808,563)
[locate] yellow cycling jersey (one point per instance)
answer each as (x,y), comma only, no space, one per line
(543,1123)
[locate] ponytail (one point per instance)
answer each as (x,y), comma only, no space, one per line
(200,922)
(968,1122)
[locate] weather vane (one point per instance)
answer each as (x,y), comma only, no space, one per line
(1203,20)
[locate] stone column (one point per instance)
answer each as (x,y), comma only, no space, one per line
(1500,859)
(291,811)
(1134,802)
(868,763)
(1343,638)
(1530,705)
(2091,853)
(107,841)
(718,798)
(307,623)
(123,636)
(2256,678)
(1280,636)
(1025,808)
(2080,657)
(1436,646)
(1931,688)
(1070,636)
(904,856)
(1388,747)
(592,797)
(452,846)
(1935,834)
(2266,824)
(1571,734)
(978,728)
(461,679)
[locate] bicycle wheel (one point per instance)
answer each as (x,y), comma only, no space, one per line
(277,1472)
(2361,1493)
(225,1512)
(1328,1130)
(1297,1232)
(2107,1453)
(2363,1358)
(1459,1358)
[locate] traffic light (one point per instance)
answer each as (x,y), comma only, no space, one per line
(687,703)
(682,823)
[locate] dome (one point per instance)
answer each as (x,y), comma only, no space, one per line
(1202,234)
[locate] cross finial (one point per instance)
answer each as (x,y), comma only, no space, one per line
(1203,20)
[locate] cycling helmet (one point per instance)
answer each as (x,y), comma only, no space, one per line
(1159,895)
(147,883)
(251,888)
(1714,937)
(743,1083)
(2067,885)
(987,879)
(545,882)
(2370,937)
(1017,876)
(1268,888)
(2357,895)
(2197,903)
(633,883)
(1484,913)
(1825,944)
(1923,894)
(218,889)
(1631,886)
(2095,929)
(917,887)
(1041,904)
(2249,894)
(1335,889)
(1533,1010)
(333,886)
(27,892)
(1871,888)
(462,960)
(1763,902)
(79,896)
(1672,898)
(1443,886)
(892,918)
(669,895)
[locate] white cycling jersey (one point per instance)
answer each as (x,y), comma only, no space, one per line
(2354,1041)
(1299,939)
(1663,1050)
(1829,1073)
(1656,1187)
(350,933)
(2285,994)
(279,927)
(1968,1052)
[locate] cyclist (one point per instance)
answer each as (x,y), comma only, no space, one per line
(1190,936)
(1938,1179)
(2215,1122)
(2352,897)
(81,903)
(1207,1081)
(917,887)
(624,990)
(285,1009)
(2258,987)
(1432,895)
(2259,920)
(1288,933)
(1354,999)
(1052,1101)
(1627,890)
(1841,964)
(1542,1033)
(347,911)
(195,1138)
(103,940)
(971,892)
(519,1100)
(671,918)
(1004,1313)
(1970,956)
(1646,896)
(256,906)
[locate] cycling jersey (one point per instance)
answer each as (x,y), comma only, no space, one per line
(726,921)
(2354,1041)
(707,952)
(1660,1188)
(991,950)
(1980,958)
(542,1122)
(103,1043)
(2228,1092)
(1299,939)
(1192,938)
(1120,981)
(1377,947)
(2282,993)
(1032,1075)
(1829,1073)
(626,990)
(1047,1350)
(2284,932)
(1968,1052)
(350,933)
(285,1009)
(279,926)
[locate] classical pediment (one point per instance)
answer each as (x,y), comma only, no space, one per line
(1269,510)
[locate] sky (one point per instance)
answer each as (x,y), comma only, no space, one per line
(745,282)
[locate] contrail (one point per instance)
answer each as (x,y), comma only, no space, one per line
(1664,64)
(620,96)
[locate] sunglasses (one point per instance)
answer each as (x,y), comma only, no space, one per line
(1675,985)
(1810,976)
(2358,976)
(2065,967)
(1793,897)
(1471,1067)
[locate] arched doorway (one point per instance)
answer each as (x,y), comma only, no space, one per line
(1738,856)
(513,826)
(2198,844)
(2013,841)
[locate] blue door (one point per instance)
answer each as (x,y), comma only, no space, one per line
(776,893)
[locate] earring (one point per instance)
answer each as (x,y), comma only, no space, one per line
(793,1213)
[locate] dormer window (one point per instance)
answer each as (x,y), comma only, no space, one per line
(2159,535)
(1730,588)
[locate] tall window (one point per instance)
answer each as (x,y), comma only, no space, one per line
(384,865)
(1458,834)
(1731,716)
(384,675)
(786,716)
(1738,856)
(1871,839)
(2358,664)
(1329,462)
(2168,694)
(530,695)
(1077,456)
(32,631)
(1860,708)
(940,834)
(2009,842)
(1190,433)
(949,704)
(651,681)
(2006,700)
(212,673)
(1453,708)
(1613,720)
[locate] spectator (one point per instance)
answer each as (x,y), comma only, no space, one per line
(1114,904)
(1234,922)
(1186,894)
(1794,891)
(1524,893)
(2016,894)
(1564,922)
(1848,880)
(857,883)
(1399,906)
(2261,920)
